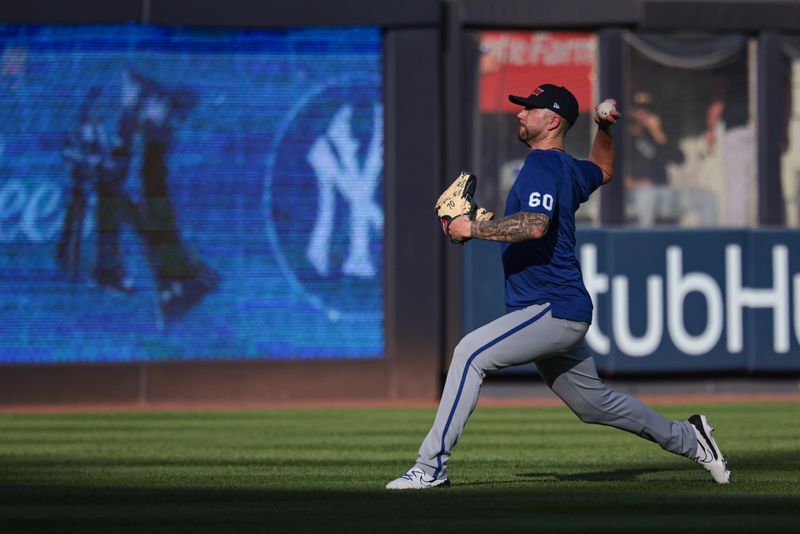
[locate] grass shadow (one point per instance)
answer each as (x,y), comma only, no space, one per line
(615,475)
(497,508)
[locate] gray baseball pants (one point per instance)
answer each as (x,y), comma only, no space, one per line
(559,351)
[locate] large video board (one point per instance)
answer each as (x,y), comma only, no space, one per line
(168,193)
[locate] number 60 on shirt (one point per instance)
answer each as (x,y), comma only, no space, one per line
(537,199)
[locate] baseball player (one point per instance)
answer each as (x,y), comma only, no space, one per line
(548,307)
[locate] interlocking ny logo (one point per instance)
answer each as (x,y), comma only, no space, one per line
(334,159)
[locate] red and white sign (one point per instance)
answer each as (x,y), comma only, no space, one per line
(515,63)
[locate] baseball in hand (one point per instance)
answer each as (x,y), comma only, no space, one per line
(605,108)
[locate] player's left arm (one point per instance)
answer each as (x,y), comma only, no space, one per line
(536,190)
(512,229)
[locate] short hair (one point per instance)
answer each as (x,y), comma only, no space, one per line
(564,125)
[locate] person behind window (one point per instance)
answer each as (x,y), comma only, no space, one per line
(652,198)
(729,106)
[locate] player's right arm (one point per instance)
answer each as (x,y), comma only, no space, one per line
(602,153)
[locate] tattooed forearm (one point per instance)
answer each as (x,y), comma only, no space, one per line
(512,229)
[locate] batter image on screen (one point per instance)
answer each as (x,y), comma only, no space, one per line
(548,307)
(171,193)
(101,161)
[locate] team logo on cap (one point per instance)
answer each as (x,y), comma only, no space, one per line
(538,91)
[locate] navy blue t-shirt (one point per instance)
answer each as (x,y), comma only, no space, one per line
(546,269)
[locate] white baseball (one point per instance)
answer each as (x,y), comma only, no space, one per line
(605,108)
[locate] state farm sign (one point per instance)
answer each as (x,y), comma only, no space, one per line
(517,62)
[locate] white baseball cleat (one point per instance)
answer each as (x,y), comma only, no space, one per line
(416,478)
(708,454)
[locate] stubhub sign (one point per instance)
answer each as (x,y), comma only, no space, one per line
(693,300)
(672,300)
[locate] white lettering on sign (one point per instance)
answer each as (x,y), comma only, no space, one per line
(649,342)
(724,310)
(596,283)
(680,285)
(539,49)
(776,297)
(12,204)
(33,213)
(39,220)
(797,307)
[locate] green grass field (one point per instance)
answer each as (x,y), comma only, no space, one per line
(515,469)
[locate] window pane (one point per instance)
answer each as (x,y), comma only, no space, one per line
(790,162)
(691,160)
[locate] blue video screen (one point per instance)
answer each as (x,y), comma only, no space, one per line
(177,194)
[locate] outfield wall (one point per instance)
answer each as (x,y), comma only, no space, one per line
(671,301)
(274,102)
